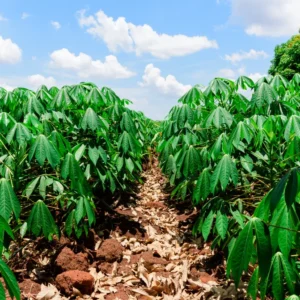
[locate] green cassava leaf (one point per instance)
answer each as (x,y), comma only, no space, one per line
(202,188)
(222,224)
(43,149)
(9,203)
(10,281)
(253,284)
(224,171)
(41,221)
(277,277)
(19,132)
(207,224)
(242,252)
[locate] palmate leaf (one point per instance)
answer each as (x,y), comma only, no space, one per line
(220,147)
(278,82)
(94,155)
(275,220)
(263,96)
(110,95)
(62,98)
(2,291)
(240,102)
(293,297)
(4,228)
(10,281)
(127,123)
(218,87)
(34,106)
(242,132)
(60,142)
(219,117)
(202,188)
(71,169)
(9,202)
(192,162)
(289,185)
(70,222)
(20,133)
(263,246)
(78,93)
(207,225)
(293,150)
(53,91)
(96,97)
(222,223)
(277,277)
(292,128)
(129,164)
(243,82)
(127,142)
(41,221)
(90,120)
(6,122)
(253,284)
(169,167)
(291,189)
(43,149)
(280,270)
(284,235)
(247,163)
(44,95)
(224,171)
(241,253)
(289,273)
(185,114)
(277,192)
(193,96)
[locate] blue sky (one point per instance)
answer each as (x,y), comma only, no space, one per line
(150,52)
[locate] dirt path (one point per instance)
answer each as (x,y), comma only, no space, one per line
(148,255)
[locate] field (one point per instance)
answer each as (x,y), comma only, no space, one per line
(99,202)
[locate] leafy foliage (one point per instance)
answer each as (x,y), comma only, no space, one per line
(224,152)
(286,58)
(64,150)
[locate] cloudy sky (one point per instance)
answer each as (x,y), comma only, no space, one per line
(150,52)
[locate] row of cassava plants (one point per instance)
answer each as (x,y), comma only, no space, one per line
(64,150)
(224,147)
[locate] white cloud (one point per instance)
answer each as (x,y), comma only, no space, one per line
(231,73)
(6,86)
(2,18)
(242,55)
(10,52)
(165,85)
(25,16)
(268,17)
(56,25)
(86,67)
(35,81)
(256,76)
(120,35)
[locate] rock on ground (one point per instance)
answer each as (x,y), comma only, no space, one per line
(110,250)
(80,280)
(67,260)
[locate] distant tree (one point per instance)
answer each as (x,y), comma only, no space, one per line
(287,58)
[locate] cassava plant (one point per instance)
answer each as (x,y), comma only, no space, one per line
(224,151)
(67,150)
